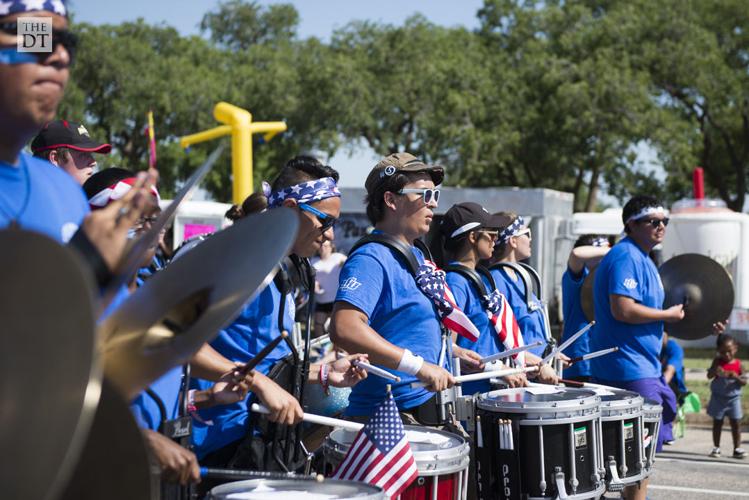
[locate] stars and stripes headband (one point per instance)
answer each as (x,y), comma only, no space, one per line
(511,230)
(600,242)
(647,211)
(115,192)
(19,6)
(306,192)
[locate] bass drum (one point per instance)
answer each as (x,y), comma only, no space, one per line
(539,442)
(283,489)
(441,460)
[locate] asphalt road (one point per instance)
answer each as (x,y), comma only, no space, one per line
(685,472)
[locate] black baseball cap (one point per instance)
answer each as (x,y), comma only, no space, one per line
(65,134)
(462,218)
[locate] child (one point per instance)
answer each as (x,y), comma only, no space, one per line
(725,398)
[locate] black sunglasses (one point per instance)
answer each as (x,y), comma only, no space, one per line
(656,222)
(67,39)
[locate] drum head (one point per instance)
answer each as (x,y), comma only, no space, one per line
(48,363)
(262,489)
(421,439)
(538,399)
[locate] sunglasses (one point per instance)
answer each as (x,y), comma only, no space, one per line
(428,195)
(327,221)
(492,235)
(655,222)
(65,38)
(523,232)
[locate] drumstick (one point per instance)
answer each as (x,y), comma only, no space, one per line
(592,355)
(511,352)
(316,419)
(484,375)
(376,371)
(251,364)
(567,342)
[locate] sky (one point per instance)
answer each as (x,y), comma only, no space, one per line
(318,18)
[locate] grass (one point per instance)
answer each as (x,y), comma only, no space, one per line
(701,359)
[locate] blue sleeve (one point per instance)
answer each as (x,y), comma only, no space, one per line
(361,282)
(625,279)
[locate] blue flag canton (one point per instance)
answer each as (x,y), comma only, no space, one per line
(385,427)
(431,282)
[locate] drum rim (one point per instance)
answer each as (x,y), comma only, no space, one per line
(577,406)
(447,460)
(376,491)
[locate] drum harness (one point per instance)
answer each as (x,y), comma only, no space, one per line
(448,402)
(532,282)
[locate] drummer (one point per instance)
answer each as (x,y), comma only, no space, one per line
(514,245)
(628,297)
(380,309)
(587,252)
(470,232)
(310,188)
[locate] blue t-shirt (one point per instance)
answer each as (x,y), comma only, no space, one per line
(255,327)
(56,204)
(628,271)
(574,320)
(468,299)
(530,320)
(146,410)
(672,354)
(376,282)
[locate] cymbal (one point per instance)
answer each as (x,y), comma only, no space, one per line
(586,296)
(114,463)
(707,288)
(48,363)
(166,321)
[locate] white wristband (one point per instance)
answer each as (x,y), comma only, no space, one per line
(410,363)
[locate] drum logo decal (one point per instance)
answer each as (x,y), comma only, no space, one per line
(506,480)
(581,437)
(629,431)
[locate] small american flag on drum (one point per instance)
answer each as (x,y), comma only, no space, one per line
(380,454)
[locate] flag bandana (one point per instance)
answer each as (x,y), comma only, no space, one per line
(511,230)
(306,192)
(431,281)
(503,319)
(380,454)
(600,242)
(16,6)
(115,192)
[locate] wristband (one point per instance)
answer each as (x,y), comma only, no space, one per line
(410,363)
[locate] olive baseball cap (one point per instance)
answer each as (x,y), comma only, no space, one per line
(401,162)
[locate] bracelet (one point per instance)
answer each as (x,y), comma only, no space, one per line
(410,363)
(191,408)
(323,377)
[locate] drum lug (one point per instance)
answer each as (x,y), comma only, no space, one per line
(616,484)
(465,411)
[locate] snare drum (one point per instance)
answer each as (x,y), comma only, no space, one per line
(651,422)
(283,489)
(441,460)
(621,439)
(538,442)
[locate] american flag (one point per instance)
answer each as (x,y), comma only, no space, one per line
(380,454)
(431,281)
(504,322)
